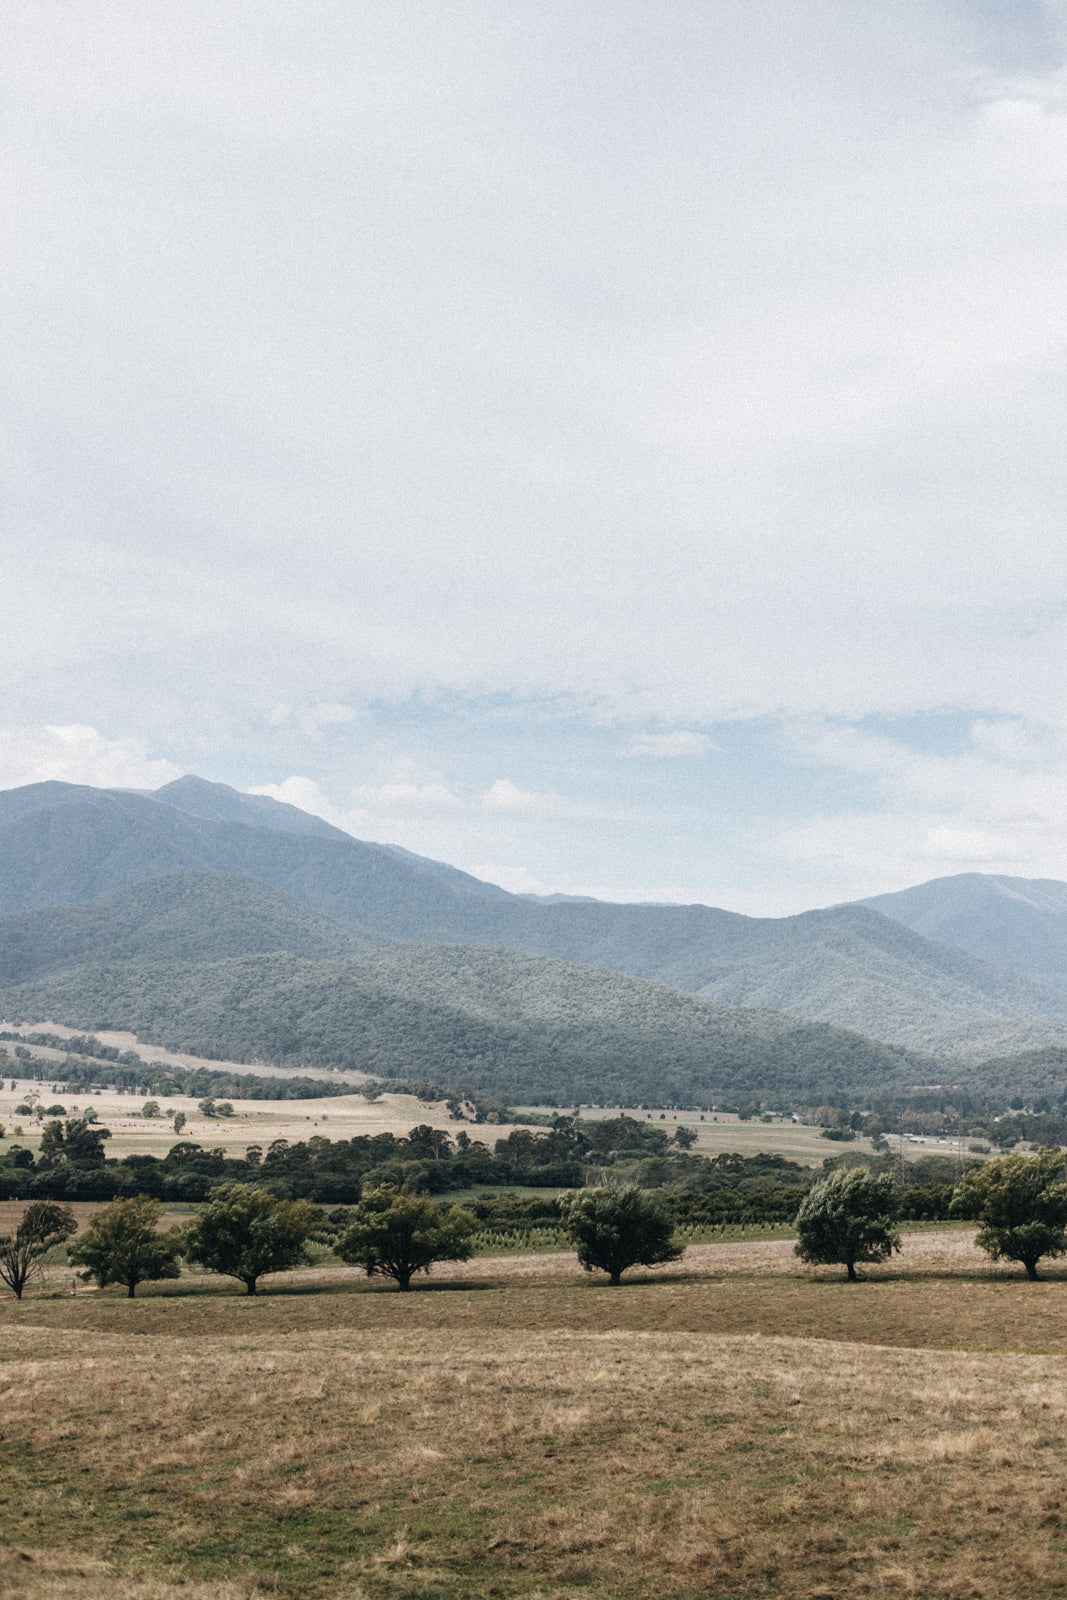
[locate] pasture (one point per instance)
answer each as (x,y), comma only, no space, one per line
(258,1122)
(732,1426)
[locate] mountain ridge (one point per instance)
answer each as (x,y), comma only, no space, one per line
(848,966)
(1017,923)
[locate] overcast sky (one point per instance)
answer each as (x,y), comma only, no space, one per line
(613,447)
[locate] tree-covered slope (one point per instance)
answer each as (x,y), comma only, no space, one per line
(1028,1076)
(179,916)
(852,967)
(521,1026)
(1017,923)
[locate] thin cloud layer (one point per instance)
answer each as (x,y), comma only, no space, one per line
(682,743)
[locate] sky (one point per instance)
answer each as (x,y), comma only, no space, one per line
(614,448)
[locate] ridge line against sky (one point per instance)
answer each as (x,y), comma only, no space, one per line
(614,449)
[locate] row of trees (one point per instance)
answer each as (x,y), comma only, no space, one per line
(1020,1203)
(244,1232)
(72,1163)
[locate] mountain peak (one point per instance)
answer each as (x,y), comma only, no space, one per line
(220,803)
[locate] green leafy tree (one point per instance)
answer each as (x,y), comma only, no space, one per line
(43,1226)
(1020,1203)
(150,1108)
(73,1141)
(179,1121)
(397,1234)
(123,1244)
(848,1218)
(617,1227)
(207,1108)
(243,1232)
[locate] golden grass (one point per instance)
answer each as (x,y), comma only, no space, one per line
(345,1116)
(739,1427)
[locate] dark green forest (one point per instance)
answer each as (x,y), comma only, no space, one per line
(523,1028)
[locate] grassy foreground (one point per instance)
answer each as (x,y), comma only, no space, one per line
(729,1428)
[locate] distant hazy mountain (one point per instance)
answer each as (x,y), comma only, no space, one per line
(222,804)
(850,965)
(62,843)
(1018,923)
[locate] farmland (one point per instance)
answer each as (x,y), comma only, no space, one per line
(733,1425)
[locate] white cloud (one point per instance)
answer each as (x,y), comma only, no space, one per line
(405,792)
(997,804)
(507,797)
(307,796)
(763,387)
(408,790)
(970,846)
(328,714)
(78,754)
(681,743)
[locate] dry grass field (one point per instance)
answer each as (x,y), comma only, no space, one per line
(733,1426)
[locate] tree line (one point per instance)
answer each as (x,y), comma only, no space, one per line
(245,1232)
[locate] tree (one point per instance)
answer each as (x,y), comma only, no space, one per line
(616,1228)
(150,1108)
(122,1244)
(397,1233)
(43,1225)
(74,1141)
(848,1218)
(1020,1203)
(685,1138)
(207,1108)
(179,1121)
(243,1232)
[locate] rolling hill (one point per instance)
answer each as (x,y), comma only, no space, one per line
(179,916)
(521,1026)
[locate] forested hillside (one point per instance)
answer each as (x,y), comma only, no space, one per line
(522,1027)
(179,916)
(851,967)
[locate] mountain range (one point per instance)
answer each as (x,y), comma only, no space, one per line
(110,900)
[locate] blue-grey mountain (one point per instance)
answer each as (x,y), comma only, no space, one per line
(1017,923)
(64,845)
